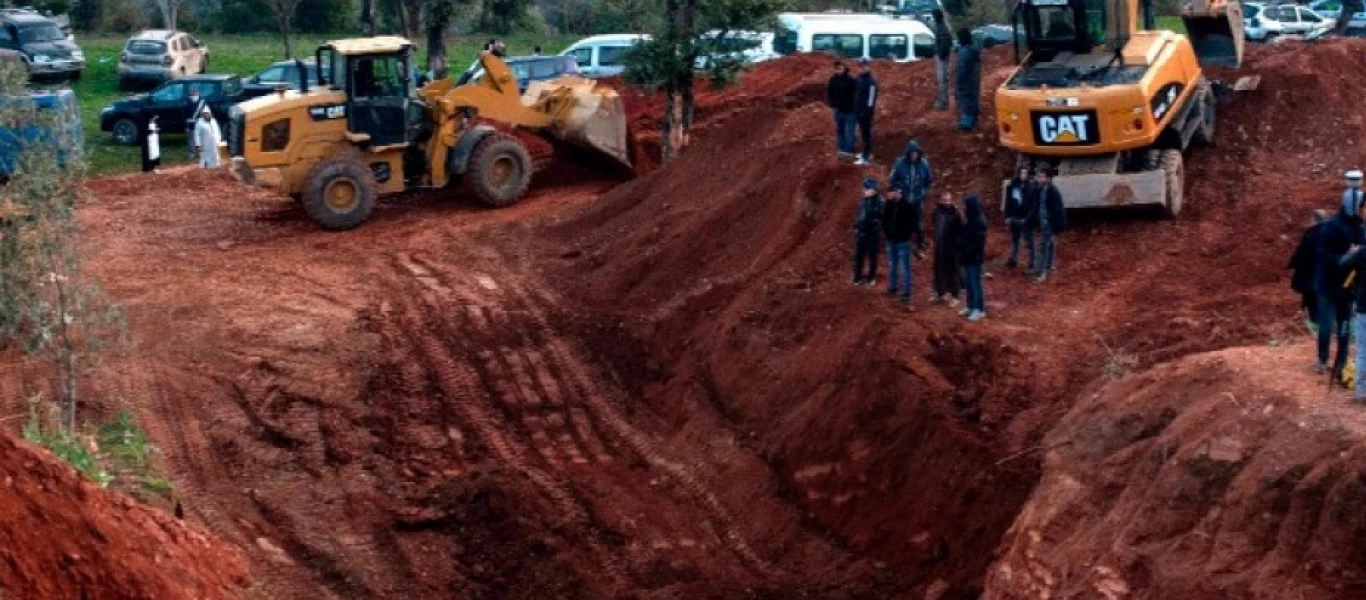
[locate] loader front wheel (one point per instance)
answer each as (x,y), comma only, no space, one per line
(1173,167)
(499,171)
(340,193)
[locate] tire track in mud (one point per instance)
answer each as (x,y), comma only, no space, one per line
(543,372)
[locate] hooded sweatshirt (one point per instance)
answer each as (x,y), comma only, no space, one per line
(1335,238)
(913,178)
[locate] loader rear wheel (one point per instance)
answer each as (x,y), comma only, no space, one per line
(1173,167)
(340,193)
(499,171)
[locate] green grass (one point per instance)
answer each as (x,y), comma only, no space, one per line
(238,54)
(1171,23)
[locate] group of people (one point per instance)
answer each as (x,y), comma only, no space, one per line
(892,216)
(854,100)
(1329,272)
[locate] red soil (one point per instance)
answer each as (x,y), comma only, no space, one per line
(669,389)
(62,537)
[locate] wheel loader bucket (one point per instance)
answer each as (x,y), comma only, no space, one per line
(584,114)
(1215,28)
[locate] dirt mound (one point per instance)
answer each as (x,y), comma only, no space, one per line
(62,537)
(1227,475)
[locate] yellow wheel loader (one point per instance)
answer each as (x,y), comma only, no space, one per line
(362,129)
(1109,106)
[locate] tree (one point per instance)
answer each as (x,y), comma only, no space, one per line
(170,11)
(669,61)
(439,15)
(284,13)
(367,18)
(1349,8)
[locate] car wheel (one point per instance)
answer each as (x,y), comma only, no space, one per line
(125,131)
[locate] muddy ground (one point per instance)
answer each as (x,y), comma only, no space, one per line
(666,387)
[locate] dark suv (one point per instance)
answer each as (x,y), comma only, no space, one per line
(173,104)
(47,51)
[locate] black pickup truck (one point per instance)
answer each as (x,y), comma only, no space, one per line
(173,103)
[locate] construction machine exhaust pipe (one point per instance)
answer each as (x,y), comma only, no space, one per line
(1215,28)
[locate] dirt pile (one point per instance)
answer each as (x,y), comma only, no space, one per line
(1226,475)
(62,537)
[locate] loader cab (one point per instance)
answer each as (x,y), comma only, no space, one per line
(381,104)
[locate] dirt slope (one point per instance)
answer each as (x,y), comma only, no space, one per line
(1226,475)
(62,537)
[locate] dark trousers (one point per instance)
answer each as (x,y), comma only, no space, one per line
(946,276)
(972,279)
(1020,230)
(865,251)
(1335,319)
(865,128)
(845,123)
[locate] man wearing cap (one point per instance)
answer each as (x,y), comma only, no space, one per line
(867,234)
(1050,217)
(1340,241)
(865,105)
(207,137)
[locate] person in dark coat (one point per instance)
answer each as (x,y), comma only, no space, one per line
(1302,265)
(911,174)
(840,95)
(898,226)
(968,80)
(947,223)
(1339,238)
(1049,217)
(867,234)
(943,48)
(972,251)
(1019,208)
(865,106)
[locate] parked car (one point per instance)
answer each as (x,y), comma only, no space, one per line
(747,47)
(66,140)
(173,105)
(48,54)
(158,55)
(1286,19)
(527,69)
(1332,9)
(603,55)
(284,73)
(988,36)
(1252,26)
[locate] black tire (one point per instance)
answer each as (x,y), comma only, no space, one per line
(340,193)
(1174,170)
(499,171)
(126,131)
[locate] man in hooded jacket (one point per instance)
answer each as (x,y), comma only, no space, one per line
(968,80)
(1339,240)
(911,174)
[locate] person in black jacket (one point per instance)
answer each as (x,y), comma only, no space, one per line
(898,225)
(1019,208)
(839,94)
(867,233)
(943,48)
(947,223)
(1302,265)
(1339,238)
(865,105)
(1050,217)
(972,250)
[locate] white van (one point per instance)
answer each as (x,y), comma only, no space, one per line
(853,36)
(603,55)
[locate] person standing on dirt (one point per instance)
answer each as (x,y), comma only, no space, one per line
(1049,217)
(968,80)
(899,225)
(1020,206)
(943,48)
(1339,240)
(1302,265)
(841,94)
(207,136)
(972,252)
(911,174)
(947,227)
(867,234)
(865,105)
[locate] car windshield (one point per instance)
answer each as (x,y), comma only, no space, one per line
(146,47)
(231,86)
(40,33)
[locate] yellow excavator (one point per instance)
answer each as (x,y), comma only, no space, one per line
(1110,106)
(363,129)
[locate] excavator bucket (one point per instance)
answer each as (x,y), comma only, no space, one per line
(1215,28)
(584,114)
